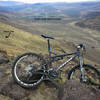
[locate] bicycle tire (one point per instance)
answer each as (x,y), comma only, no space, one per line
(86,66)
(15,74)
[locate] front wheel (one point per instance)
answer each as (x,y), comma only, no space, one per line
(92,75)
(28,70)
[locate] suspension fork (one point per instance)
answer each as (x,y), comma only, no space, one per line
(82,68)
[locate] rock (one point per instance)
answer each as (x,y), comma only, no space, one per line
(13,90)
(10,89)
(3,60)
(3,57)
(3,52)
(74,90)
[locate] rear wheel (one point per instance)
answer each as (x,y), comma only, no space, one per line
(28,70)
(92,75)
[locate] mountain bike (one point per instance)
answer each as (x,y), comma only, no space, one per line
(30,69)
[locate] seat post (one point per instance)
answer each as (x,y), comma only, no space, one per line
(49,49)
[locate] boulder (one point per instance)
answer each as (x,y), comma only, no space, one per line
(3,60)
(74,90)
(3,57)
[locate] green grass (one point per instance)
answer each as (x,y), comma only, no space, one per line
(66,35)
(20,41)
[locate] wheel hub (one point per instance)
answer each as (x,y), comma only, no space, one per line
(28,68)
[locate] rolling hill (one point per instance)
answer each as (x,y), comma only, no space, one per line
(91,20)
(67,12)
(52,9)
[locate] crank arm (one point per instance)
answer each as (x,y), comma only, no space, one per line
(38,73)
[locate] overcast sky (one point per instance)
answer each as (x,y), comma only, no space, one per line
(39,1)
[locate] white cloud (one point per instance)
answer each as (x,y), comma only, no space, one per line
(35,1)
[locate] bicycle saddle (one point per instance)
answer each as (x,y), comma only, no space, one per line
(48,37)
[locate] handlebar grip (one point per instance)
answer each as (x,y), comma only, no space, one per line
(81,46)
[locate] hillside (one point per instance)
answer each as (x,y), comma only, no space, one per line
(63,10)
(21,41)
(91,20)
(18,42)
(22,18)
(79,23)
(66,12)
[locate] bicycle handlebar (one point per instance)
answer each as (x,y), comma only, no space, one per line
(81,46)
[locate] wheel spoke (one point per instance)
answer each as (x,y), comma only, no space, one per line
(92,75)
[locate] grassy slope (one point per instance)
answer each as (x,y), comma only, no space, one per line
(19,41)
(70,33)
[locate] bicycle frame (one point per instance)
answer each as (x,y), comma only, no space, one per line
(75,54)
(66,62)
